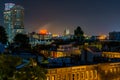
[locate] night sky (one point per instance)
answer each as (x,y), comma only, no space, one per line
(94,16)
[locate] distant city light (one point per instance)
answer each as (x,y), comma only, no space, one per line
(102,37)
(55,35)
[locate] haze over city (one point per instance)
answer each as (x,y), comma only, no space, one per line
(94,16)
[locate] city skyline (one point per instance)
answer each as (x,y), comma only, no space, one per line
(94,17)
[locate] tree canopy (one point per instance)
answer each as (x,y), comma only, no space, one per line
(79,35)
(22,40)
(78,32)
(3,35)
(8,66)
(31,71)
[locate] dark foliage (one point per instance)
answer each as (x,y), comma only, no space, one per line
(3,35)
(79,35)
(22,41)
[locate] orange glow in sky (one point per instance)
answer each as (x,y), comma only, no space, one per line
(43,31)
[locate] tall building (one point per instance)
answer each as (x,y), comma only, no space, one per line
(66,32)
(13,20)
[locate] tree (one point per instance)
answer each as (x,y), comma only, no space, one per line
(3,35)
(22,40)
(79,34)
(8,66)
(31,71)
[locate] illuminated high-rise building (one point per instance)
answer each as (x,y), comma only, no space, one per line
(13,20)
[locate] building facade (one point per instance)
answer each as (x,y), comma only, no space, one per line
(114,55)
(13,20)
(36,38)
(103,71)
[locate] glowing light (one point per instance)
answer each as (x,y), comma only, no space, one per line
(43,31)
(102,37)
(55,35)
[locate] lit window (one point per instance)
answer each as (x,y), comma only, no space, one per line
(64,77)
(91,74)
(86,75)
(58,77)
(48,78)
(82,75)
(53,77)
(95,74)
(73,76)
(114,70)
(110,70)
(68,76)
(78,76)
